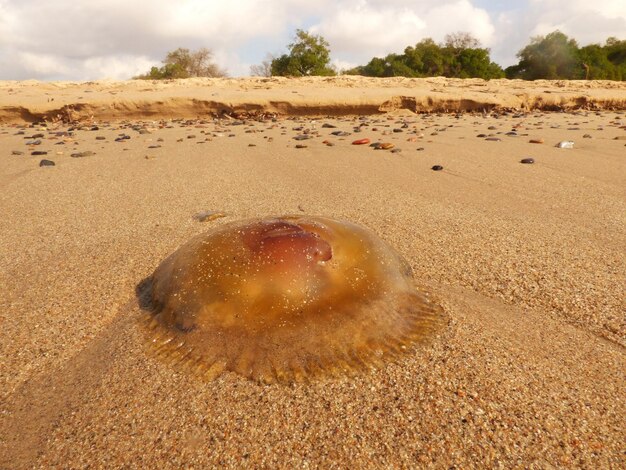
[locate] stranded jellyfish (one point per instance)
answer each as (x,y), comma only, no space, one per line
(284,299)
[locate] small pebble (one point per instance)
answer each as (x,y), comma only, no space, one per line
(565,144)
(437,168)
(46,163)
(87,153)
(39,152)
(536,141)
(17,152)
(527,160)
(301,146)
(361,142)
(494,139)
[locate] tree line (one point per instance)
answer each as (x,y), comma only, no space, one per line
(460,55)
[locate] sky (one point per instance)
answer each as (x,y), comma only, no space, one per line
(117,39)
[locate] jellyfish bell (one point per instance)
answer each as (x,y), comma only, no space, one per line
(285,299)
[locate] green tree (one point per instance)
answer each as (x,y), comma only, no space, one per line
(460,56)
(183,63)
(309,54)
(554,56)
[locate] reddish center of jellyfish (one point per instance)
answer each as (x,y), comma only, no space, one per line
(279,241)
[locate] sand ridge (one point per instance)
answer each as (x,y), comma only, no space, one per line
(310,96)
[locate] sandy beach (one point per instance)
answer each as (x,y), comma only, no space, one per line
(527,260)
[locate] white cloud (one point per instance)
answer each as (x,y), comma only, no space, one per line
(371,28)
(88,39)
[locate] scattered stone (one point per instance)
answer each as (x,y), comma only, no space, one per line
(536,141)
(86,153)
(385,146)
(565,144)
(527,160)
(340,133)
(191,136)
(481,136)
(154,146)
(396,151)
(301,146)
(17,152)
(420,149)
(494,139)
(437,168)
(329,126)
(587,136)
(34,142)
(302,137)
(45,162)
(251,145)
(620,137)
(361,142)
(39,152)
(100,137)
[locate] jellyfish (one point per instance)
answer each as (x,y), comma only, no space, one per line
(286,299)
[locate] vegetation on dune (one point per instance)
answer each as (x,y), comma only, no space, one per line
(183,63)
(556,56)
(553,57)
(459,56)
(309,54)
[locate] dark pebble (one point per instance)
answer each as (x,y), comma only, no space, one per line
(87,153)
(17,152)
(494,139)
(527,160)
(39,152)
(437,168)
(340,133)
(328,126)
(100,138)
(481,135)
(46,163)
(300,146)
(302,137)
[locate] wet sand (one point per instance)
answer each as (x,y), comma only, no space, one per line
(526,259)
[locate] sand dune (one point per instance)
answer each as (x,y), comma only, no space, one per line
(313,96)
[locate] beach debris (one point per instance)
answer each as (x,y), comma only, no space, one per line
(527,160)
(361,142)
(207,216)
(285,299)
(565,144)
(45,162)
(436,168)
